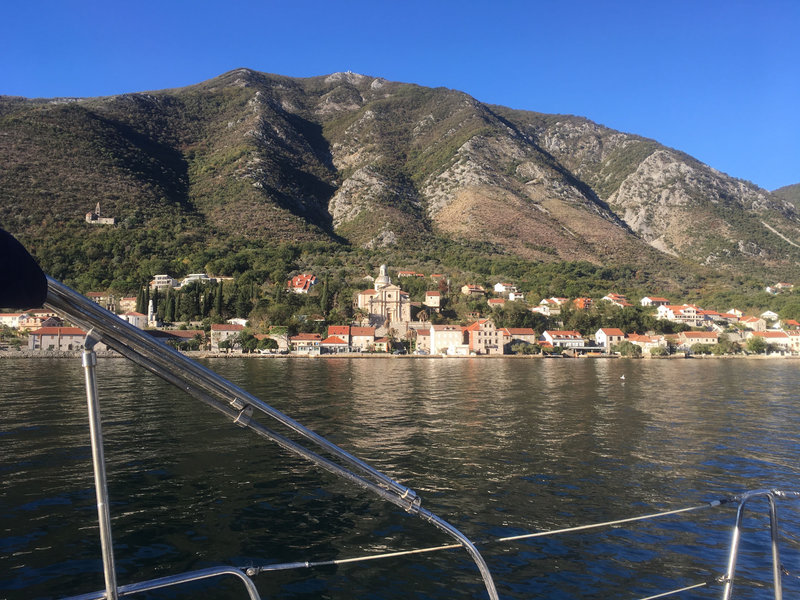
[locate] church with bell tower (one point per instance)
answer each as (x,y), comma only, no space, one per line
(387,302)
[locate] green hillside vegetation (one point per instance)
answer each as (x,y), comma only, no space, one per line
(235,177)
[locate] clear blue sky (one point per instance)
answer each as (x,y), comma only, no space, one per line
(718,79)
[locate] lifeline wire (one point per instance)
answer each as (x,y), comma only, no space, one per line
(251,571)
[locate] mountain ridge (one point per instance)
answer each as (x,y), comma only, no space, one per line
(354,159)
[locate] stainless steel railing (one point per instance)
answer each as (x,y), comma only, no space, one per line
(238,405)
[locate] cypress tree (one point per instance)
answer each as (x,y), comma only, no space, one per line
(169,310)
(218,300)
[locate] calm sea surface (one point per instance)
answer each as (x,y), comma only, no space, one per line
(497,447)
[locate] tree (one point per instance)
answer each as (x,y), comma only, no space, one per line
(218,300)
(169,310)
(756,344)
(700,348)
(626,348)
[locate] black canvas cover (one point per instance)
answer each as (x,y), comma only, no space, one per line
(22,283)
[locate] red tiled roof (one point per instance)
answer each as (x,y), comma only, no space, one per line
(700,334)
(339,330)
(300,337)
(611,331)
(566,334)
(362,331)
(333,340)
(771,334)
(58,331)
(226,327)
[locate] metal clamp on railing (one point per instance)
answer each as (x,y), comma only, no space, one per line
(245,412)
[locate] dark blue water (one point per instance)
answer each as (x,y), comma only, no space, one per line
(498,447)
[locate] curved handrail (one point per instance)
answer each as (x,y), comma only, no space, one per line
(238,405)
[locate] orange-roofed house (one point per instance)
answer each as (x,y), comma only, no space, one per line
(583,303)
(688,338)
(136,319)
(617,300)
(221,332)
(563,339)
(340,331)
(608,337)
(423,337)
(301,284)
(57,339)
(305,343)
(484,338)
(754,323)
(647,342)
(653,301)
(381,344)
(780,339)
(362,338)
(333,345)
(433,299)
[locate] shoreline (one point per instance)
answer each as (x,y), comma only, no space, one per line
(202,354)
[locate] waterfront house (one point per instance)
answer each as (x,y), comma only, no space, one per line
(57,339)
(607,337)
(563,339)
(333,345)
(423,341)
(305,343)
(794,340)
(381,344)
(686,339)
(362,338)
(518,335)
(340,331)
(779,339)
(222,332)
(647,342)
(484,338)
(448,339)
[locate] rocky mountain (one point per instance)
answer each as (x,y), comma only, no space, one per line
(363,161)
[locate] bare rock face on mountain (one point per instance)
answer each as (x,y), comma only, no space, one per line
(374,163)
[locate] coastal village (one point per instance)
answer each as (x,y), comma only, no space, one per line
(386,321)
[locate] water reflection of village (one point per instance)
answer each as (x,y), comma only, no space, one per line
(387,321)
